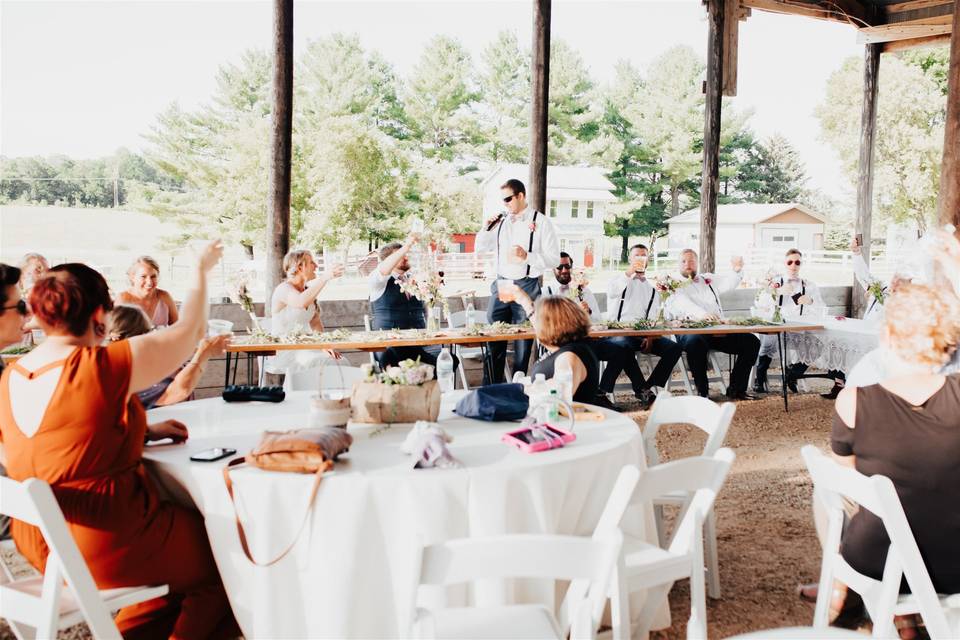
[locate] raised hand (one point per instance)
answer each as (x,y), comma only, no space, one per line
(210,256)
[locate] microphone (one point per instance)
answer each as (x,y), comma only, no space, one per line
(494,222)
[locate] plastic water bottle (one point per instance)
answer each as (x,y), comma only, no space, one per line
(445,370)
(563,382)
(470,310)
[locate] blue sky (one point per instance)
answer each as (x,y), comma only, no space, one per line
(84,78)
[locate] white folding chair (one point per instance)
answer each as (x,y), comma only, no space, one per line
(367,326)
(832,482)
(714,420)
(656,567)
(261,360)
(456,320)
(37,606)
(330,375)
(685,376)
(514,556)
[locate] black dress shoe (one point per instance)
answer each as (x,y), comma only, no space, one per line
(646,398)
(740,395)
(601,400)
(832,395)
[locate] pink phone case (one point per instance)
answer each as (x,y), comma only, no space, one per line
(511,439)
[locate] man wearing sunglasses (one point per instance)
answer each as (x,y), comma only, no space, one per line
(525,246)
(563,274)
(798,298)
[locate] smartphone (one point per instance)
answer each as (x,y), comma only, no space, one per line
(859,239)
(527,442)
(210,455)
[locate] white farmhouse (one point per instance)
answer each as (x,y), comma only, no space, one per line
(745,226)
(577,199)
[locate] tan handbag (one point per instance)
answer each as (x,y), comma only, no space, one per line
(300,451)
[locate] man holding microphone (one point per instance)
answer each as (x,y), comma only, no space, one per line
(525,246)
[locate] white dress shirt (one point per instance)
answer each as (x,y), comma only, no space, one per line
(515,230)
(639,296)
(794,287)
(701,297)
(378,282)
(556,289)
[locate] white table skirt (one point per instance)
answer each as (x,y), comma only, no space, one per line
(349,575)
(840,345)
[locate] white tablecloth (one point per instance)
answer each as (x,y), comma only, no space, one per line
(349,575)
(839,346)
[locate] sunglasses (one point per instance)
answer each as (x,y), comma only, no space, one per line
(509,198)
(561,267)
(21,307)
(793,262)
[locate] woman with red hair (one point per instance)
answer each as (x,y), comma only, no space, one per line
(69,415)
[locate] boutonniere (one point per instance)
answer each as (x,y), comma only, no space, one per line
(533,226)
(707,281)
(774,285)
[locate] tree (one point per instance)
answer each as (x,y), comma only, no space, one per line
(439,98)
(359,190)
(909,139)
(220,154)
(770,172)
(505,90)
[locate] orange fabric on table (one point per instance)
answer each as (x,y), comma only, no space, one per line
(88,447)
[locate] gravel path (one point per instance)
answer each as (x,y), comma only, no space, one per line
(766,540)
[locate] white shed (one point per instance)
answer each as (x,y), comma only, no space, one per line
(753,226)
(577,199)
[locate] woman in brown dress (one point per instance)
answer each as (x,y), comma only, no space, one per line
(907,428)
(69,415)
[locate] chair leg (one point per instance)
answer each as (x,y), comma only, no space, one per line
(655,597)
(619,607)
(686,376)
(658,520)
(713,563)
(697,623)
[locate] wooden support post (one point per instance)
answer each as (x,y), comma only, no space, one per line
(868,126)
(711,136)
(540,85)
(278,186)
(949,203)
(731,37)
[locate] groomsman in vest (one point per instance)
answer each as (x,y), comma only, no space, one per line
(525,246)
(394,309)
(631,297)
(563,274)
(699,299)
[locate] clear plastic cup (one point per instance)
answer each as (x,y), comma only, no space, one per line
(216,327)
(505,290)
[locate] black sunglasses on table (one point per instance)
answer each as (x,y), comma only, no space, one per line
(21,307)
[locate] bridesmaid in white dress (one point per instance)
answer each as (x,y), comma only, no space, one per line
(294,307)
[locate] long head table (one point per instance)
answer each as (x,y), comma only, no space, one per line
(416,338)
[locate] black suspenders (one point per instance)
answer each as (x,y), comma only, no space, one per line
(530,246)
(803,292)
(719,306)
(623,297)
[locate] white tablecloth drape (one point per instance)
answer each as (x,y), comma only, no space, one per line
(350,573)
(839,346)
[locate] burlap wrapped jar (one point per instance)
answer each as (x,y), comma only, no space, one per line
(379,403)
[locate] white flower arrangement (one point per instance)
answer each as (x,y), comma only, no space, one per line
(408,372)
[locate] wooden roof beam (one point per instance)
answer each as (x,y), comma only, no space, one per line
(915,43)
(892,32)
(848,11)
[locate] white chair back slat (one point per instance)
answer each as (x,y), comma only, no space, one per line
(879,496)
(711,418)
(525,556)
(458,319)
(328,376)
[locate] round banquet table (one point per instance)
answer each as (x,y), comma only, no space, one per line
(350,574)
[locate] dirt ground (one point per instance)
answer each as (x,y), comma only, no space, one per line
(767,543)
